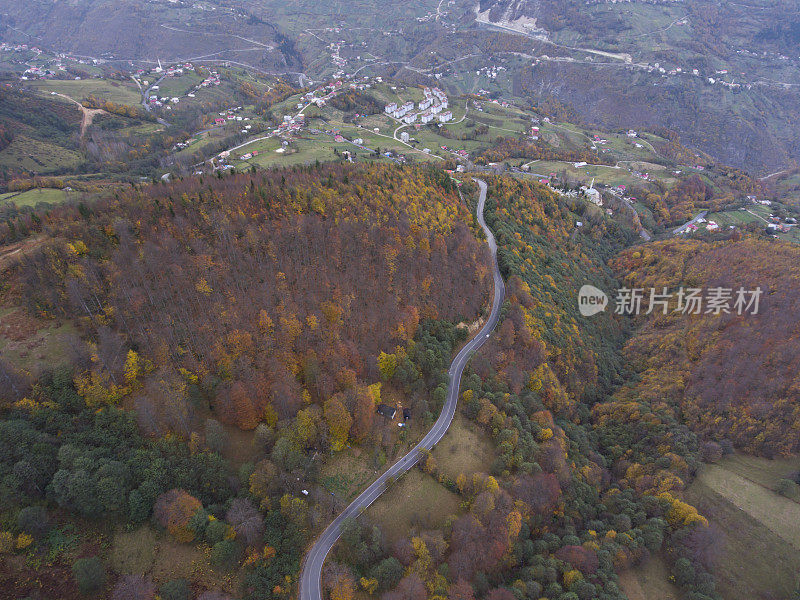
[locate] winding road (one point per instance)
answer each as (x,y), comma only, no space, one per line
(311,575)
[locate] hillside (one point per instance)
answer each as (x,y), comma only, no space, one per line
(134,31)
(729,377)
(722,75)
(549,512)
(251,321)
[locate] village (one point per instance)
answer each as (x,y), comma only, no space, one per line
(434,106)
(405,123)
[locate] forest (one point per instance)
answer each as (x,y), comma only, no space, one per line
(286,305)
(283,303)
(582,487)
(729,377)
(504,148)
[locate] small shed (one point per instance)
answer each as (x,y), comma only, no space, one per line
(387,411)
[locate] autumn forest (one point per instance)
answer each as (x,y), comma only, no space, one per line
(234,350)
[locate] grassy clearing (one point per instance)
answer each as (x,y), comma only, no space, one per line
(240,447)
(754,562)
(464,449)
(133,553)
(37,156)
(649,581)
(147,552)
(174,561)
(778,514)
(753,214)
(601,174)
(121,93)
(31,345)
(178,86)
(417,501)
(734,217)
(762,471)
(34,197)
(347,473)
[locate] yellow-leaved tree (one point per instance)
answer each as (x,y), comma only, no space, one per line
(339,422)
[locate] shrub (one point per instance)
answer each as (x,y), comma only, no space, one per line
(711,452)
(174,510)
(177,589)
(33,520)
(246,520)
(138,507)
(787,487)
(216,531)
(388,572)
(90,574)
(199,522)
(683,570)
(225,554)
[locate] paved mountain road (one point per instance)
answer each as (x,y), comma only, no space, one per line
(311,575)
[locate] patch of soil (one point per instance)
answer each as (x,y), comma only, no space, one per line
(10,252)
(43,583)
(18,326)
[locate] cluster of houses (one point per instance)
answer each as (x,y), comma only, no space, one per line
(716,79)
(211,80)
(779,225)
(490,72)
(327,91)
(175,71)
(702,222)
(291,124)
(37,73)
(230,115)
(248,155)
(158,102)
(6,47)
(459,153)
(432,107)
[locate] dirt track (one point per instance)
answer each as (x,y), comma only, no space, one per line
(88,114)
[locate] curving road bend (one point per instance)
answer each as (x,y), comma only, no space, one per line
(311,575)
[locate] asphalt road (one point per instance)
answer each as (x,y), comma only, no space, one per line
(311,576)
(685,226)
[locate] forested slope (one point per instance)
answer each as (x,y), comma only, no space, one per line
(291,303)
(557,514)
(730,377)
(271,290)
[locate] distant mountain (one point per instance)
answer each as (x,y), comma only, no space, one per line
(722,75)
(145,31)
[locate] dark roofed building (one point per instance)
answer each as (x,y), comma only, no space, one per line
(387,411)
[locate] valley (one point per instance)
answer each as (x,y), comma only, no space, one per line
(390,301)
